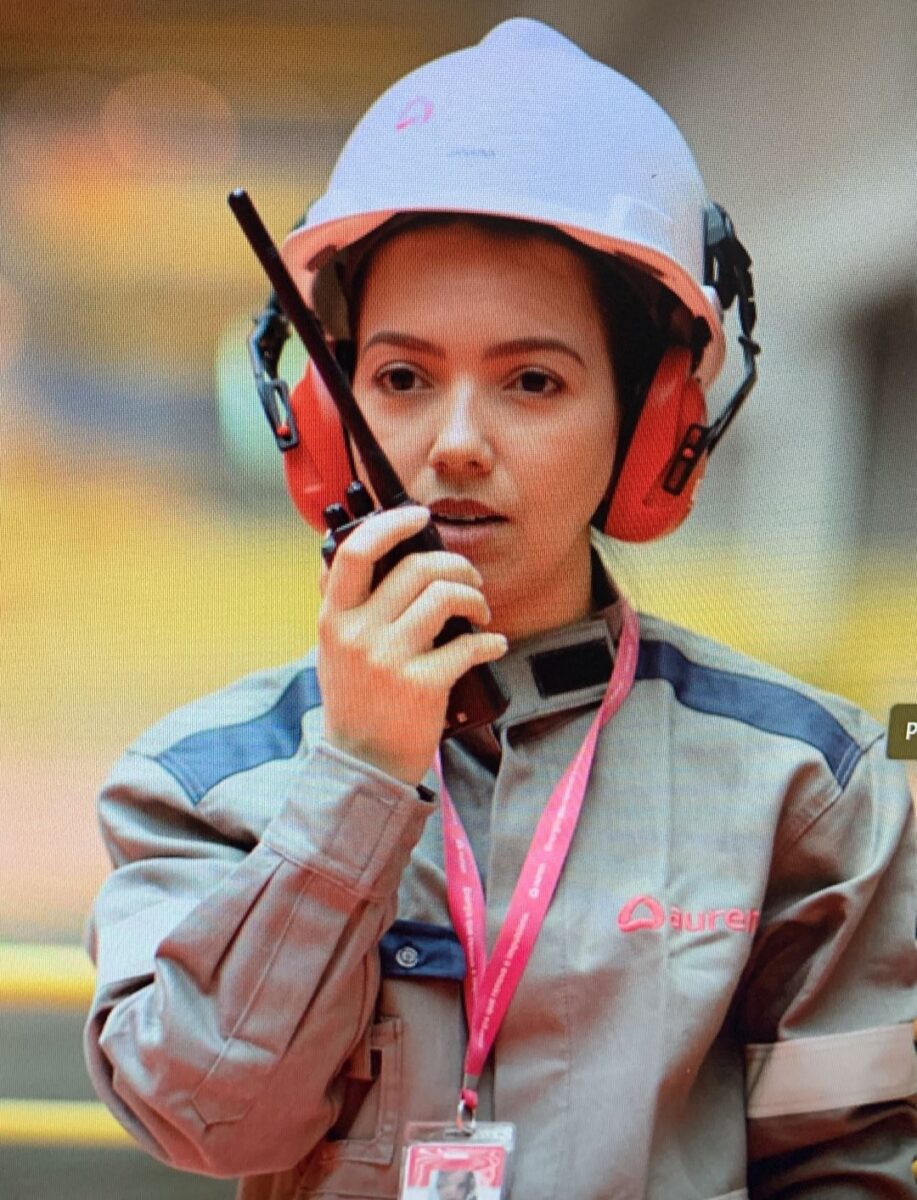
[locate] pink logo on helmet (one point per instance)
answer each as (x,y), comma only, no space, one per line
(416,112)
(645,912)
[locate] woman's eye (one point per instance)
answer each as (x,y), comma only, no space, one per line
(398,379)
(537,383)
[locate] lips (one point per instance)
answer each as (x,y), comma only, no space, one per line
(463,512)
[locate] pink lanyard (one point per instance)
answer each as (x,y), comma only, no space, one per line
(490,983)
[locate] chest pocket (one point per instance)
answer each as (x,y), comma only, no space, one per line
(360,1156)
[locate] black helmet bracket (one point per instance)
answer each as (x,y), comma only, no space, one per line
(727,269)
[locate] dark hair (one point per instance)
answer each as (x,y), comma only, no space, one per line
(634,339)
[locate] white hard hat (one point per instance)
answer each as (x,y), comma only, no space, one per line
(525,125)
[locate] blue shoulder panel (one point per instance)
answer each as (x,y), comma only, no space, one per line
(757,702)
(415,949)
(204,759)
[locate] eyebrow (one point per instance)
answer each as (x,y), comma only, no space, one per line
(523,345)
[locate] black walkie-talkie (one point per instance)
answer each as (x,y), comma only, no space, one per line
(477,698)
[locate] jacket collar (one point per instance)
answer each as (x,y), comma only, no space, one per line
(560,669)
(551,674)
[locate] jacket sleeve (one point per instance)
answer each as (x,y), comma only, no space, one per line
(235,980)
(829,1000)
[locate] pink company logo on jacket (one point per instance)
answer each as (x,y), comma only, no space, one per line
(645,912)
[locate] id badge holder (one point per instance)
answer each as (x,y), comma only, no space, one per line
(449,1162)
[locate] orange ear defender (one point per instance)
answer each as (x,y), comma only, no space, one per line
(317,464)
(317,469)
(642,506)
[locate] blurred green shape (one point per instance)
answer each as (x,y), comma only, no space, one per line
(243,425)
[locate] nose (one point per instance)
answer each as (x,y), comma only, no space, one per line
(462,443)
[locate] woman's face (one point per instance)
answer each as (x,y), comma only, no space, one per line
(452,1185)
(483,370)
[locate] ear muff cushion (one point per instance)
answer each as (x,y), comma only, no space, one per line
(641,510)
(317,470)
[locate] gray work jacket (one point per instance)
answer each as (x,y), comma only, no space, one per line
(718,1003)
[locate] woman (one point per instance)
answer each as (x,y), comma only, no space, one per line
(703,985)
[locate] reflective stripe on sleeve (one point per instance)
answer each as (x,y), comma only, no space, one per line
(838,1070)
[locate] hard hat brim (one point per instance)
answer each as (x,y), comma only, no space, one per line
(641,239)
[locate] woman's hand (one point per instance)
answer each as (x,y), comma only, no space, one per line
(384,686)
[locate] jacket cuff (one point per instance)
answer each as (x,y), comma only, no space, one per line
(349,821)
